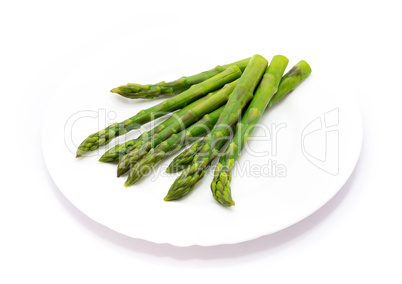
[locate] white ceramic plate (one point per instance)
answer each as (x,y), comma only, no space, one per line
(303,155)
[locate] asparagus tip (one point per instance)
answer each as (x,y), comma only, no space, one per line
(169,196)
(227,202)
(120,170)
(104,160)
(130,181)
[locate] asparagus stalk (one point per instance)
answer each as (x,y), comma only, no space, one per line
(268,86)
(104,136)
(118,151)
(134,91)
(191,115)
(172,145)
(288,83)
(240,96)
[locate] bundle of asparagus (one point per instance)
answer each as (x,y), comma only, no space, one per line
(210,103)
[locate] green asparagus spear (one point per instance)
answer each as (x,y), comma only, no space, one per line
(219,135)
(197,91)
(191,115)
(118,151)
(268,86)
(134,91)
(288,83)
(172,145)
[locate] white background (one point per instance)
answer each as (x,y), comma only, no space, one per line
(356,237)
